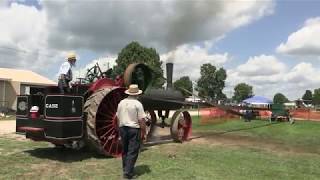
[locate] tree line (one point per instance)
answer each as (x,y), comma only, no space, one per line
(210,85)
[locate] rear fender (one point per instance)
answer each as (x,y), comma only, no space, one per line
(101,84)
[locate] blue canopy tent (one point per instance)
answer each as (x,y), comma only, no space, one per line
(258,100)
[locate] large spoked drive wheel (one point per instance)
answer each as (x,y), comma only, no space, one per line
(181,125)
(102,124)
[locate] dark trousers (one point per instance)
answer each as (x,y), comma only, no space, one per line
(130,138)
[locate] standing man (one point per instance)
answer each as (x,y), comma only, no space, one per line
(131,119)
(65,73)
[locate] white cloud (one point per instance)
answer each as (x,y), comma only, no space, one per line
(305,41)
(188,59)
(304,75)
(110,25)
(262,72)
(292,82)
(262,65)
(37,38)
(4,3)
(240,12)
(23,38)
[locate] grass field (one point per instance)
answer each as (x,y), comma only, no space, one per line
(228,150)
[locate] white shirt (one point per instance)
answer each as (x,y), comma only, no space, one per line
(64,68)
(130,110)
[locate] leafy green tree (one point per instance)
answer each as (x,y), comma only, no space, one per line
(135,53)
(222,96)
(307,97)
(211,82)
(316,97)
(279,98)
(242,91)
(185,83)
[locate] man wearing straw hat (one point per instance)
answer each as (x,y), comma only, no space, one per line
(65,73)
(131,119)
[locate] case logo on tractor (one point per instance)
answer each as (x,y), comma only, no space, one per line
(52,106)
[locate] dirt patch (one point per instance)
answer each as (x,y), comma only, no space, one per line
(162,136)
(8,129)
(219,139)
(41,170)
(159,134)
(7,126)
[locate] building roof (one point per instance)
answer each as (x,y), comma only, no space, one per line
(24,77)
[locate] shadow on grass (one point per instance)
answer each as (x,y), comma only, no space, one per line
(70,155)
(64,154)
(142,169)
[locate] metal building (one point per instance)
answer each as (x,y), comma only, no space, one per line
(14,82)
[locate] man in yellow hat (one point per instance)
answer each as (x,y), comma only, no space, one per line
(131,120)
(65,73)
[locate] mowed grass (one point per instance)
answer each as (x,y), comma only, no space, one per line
(304,134)
(200,158)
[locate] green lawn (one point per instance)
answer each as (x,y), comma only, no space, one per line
(303,134)
(192,160)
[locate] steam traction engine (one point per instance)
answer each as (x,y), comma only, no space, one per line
(86,116)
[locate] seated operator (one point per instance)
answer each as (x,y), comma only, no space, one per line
(65,73)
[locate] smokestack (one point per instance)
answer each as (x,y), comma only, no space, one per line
(169,67)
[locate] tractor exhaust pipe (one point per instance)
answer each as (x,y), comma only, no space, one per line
(169,67)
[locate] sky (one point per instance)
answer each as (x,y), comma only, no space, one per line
(273,46)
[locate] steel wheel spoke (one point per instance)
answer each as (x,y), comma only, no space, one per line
(105,144)
(105,134)
(108,115)
(112,142)
(104,127)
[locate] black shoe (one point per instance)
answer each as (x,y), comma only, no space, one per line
(130,177)
(126,177)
